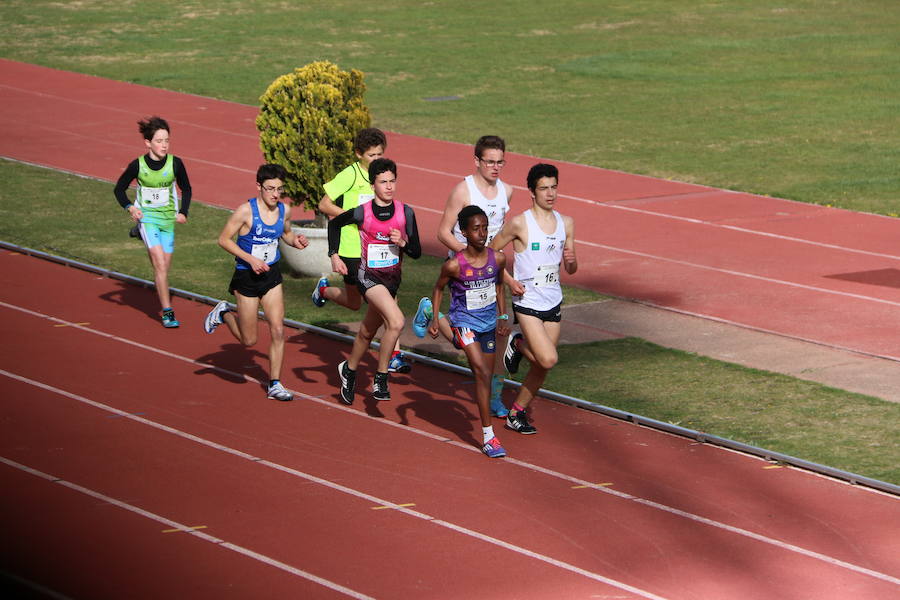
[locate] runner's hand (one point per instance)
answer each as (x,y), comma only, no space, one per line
(135,212)
(257,265)
(516,288)
(180,219)
(300,241)
(337,265)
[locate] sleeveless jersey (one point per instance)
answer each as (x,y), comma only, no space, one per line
(537,267)
(473,296)
(495,209)
(352,186)
(157,196)
(262,239)
(380,258)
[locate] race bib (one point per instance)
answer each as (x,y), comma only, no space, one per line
(363,198)
(265,252)
(381,256)
(546,275)
(481,298)
(492,231)
(154,197)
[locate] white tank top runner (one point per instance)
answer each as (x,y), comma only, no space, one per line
(495,208)
(537,267)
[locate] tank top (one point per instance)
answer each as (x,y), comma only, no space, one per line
(495,208)
(262,239)
(473,296)
(157,196)
(378,255)
(537,266)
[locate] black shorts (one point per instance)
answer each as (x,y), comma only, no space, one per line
(247,283)
(352,270)
(366,281)
(554,315)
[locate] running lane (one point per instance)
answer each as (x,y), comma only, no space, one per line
(804,271)
(164,472)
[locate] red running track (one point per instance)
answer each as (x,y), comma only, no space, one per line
(142,462)
(805,271)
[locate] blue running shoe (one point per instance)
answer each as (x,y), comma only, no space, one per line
(399,364)
(423,316)
(318,295)
(493,449)
(169,320)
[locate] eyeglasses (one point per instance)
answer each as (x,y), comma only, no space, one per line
(493,163)
(272,188)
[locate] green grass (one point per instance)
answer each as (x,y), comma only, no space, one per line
(799,100)
(848,431)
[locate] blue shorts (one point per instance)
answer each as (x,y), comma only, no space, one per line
(463,336)
(154,235)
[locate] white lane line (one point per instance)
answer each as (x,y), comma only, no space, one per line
(568,478)
(739,273)
(368,498)
(181,527)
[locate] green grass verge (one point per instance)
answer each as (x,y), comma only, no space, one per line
(825,425)
(797,99)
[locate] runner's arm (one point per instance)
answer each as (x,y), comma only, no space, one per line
(334,227)
(242,217)
(570,262)
(290,237)
(449,269)
(184,184)
(413,247)
(128,175)
(455,203)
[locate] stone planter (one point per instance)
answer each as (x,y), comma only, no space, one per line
(313,260)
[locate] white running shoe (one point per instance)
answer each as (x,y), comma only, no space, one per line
(214,318)
(277,392)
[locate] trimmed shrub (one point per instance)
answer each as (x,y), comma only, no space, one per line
(306,122)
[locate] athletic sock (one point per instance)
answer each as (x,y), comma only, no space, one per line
(395,353)
(488,433)
(273,382)
(516,408)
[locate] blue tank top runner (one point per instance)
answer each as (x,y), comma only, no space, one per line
(262,239)
(473,297)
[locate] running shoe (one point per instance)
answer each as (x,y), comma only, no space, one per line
(512,356)
(348,382)
(423,315)
(498,409)
(519,422)
(168,319)
(277,392)
(135,232)
(380,389)
(318,295)
(493,449)
(214,318)
(399,364)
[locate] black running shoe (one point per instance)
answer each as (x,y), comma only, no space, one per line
(512,357)
(348,382)
(135,232)
(519,422)
(380,389)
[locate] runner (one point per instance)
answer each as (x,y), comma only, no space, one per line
(156,208)
(349,189)
(484,189)
(387,230)
(475,276)
(542,239)
(258,224)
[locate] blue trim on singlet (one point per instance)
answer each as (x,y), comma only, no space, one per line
(260,233)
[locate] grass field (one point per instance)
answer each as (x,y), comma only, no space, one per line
(804,419)
(795,99)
